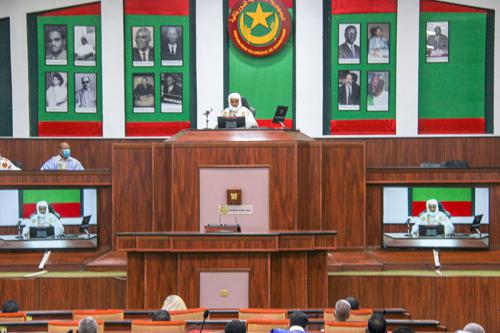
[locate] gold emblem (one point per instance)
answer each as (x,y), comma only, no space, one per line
(224,293)
(234,196)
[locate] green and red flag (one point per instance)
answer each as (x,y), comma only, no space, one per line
(66,202)
(456,200)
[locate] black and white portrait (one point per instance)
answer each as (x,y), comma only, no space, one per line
(349,50)
(378,43)
(171,92)
(143,53)
(377,98)
(56,92)
(84,40)
(85,92)
(437,41)
(56,48)
(144,92)
(171,45)
(349,90)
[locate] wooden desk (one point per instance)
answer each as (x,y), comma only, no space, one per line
(10,242)
(161,264)
(401,240)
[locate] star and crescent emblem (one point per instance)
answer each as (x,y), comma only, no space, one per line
(259,27)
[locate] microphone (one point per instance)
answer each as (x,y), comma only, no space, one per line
(205,316)
(206,113)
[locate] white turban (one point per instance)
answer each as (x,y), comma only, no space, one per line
(41,204)
(231,96)
(173,303)
(431,202)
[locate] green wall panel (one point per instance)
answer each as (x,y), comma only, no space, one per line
(5,80)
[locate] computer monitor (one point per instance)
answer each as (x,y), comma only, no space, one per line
(41,232)
(431,230)
(231,122)
(280,114)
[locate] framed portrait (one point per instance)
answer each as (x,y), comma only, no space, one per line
(171,92)
(144,92)
(56,48)
(56,92)
(349,90)
(143,52)
(437,41)
(378,43)
(85,93)
(171,45)
(349,37)
(377,97)
(84,45)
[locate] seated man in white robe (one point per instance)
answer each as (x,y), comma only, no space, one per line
(43,218)
(432,216)
(236,109)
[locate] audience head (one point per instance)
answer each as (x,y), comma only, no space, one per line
(87,325)
(353,302)
(377,324)
(299,318)
(235,326)
(474,328)
(342,310)
(161,315)
(10,306)
(173,303)
(403,330)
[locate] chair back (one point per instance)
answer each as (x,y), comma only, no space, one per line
(189,314)
(63,326)
(360,315)
(266,325)
(345,326)
(113,314)
(147,326)
(274,314)
(12,317)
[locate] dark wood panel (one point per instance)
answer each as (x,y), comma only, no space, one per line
(157,289)
(289,282)
(105,216)
(317,280)
(136,282)
(344,192)
(453,301)
(23,291)
(162,191)
(374,215)
(309,186)
(22,179)
(132,188)
(490,175)
(495,216)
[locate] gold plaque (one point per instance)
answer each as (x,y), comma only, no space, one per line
(224,293)
(234,197)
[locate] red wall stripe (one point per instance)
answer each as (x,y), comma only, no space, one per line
(431,6)
(363,6)
(155,128)
(90,9)
(67,209)
(452,126)
(156,7)
(71,129)
(456,208)
(269,123)
(368,127)
(287,3)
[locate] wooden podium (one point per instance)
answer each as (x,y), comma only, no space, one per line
(156,213)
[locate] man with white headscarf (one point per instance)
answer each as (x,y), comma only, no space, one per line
(43,218)
(236,109)
(432,216)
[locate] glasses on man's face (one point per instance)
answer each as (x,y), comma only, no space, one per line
(85,81)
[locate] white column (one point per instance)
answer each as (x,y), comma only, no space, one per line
(309,66)
(113,71)
(407,67)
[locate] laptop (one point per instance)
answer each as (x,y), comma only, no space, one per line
(41,232)
(230,122)
(431,230)
(85,223)
(476,222)
(280,114)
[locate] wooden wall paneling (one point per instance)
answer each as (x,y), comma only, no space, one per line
(163,265)
(309,186)
(104,293)
(494,226)
(132,188)
(187,158)
(289,280)
(22,290)
(483,151)
(317,280)
(374,216)
(190,266)
(105,215)
(162,191)
(135,278)
(344,192)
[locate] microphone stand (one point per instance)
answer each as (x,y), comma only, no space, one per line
(205,316)
(206,113)
(19,235)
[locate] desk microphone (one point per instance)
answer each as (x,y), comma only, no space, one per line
(206,113)
(205,316)
(19,235)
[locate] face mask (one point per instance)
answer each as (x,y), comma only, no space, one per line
(66,153)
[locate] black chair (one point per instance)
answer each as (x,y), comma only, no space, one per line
(244,102)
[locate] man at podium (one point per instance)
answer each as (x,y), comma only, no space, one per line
(236,109)
(433,216)
(43,218)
